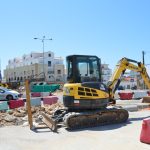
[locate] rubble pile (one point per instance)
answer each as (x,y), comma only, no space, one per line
(19,116)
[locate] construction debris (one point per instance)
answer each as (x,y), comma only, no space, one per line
(19,116)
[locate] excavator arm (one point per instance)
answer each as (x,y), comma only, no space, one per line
(121,67)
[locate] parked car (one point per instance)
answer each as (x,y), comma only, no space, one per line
(8,94)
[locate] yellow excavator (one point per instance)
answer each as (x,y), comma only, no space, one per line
(86,99)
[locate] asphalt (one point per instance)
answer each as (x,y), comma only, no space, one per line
(125,136)
(111,137)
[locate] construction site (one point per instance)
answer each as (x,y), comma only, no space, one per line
(75,75)
(83,110)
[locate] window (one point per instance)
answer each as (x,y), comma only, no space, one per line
(50,72)
(58,71)
(32,72)
(49,63)
(2,91)
(88,67)
(24,72)
(49,55)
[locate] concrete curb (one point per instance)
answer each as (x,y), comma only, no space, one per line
(134,107)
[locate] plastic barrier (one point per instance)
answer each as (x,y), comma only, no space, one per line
(45,88)
(116,96)
(139,94)
(36,94)
(35,101)
(145,132)
(16,104)
(4,105)
(43,94)
(49,100)
(126,96)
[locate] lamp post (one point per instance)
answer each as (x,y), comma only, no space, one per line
(43,39)
(143,58)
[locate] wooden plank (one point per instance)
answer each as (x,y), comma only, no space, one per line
(28,104)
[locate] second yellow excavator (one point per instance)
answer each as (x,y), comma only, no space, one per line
(86,98)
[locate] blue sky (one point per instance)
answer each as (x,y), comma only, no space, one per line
(110,29)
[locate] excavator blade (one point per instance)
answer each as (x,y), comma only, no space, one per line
(52,124)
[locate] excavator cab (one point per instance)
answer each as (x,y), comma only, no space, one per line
(82,68)
(84,89)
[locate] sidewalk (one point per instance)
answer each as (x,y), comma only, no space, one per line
(132,105)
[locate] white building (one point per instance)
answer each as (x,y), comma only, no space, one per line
(33,65)
(106,73)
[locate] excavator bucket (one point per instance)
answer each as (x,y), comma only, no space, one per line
(52,124)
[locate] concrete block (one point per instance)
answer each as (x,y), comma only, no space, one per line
(43,94)
(35,101)
(49,100)
(139,94)
(116,96)
(143,106)
(131,108)
(4,105)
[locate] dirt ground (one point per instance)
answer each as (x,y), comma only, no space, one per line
(111,137)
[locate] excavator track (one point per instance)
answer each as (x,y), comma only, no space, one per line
(79,120)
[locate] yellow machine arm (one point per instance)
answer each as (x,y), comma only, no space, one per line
(121,67)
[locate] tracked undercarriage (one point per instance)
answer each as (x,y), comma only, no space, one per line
(78,120)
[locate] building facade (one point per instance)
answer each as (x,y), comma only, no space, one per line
(35,66)
(106,73)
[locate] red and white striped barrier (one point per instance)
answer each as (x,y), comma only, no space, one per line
(49,100)
(16,104)
(126,95)
(36,94)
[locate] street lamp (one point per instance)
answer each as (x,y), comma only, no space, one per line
(43,39)
(143,58)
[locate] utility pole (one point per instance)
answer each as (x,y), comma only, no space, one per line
(43,39)
(143,58)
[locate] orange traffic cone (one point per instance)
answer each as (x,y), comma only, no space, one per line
(145,132)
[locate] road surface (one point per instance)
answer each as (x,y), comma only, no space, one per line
(111,137)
